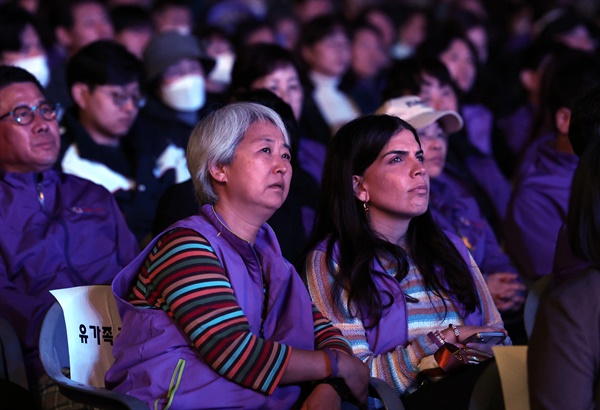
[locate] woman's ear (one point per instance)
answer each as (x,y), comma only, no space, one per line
(218,172)
(360,192)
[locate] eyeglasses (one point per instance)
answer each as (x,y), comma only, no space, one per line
(24,114)
(120,99)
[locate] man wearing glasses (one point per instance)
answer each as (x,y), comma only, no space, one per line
(56,230)
(105,83)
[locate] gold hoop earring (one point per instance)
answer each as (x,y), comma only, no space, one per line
(366,207)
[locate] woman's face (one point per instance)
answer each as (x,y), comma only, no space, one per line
(368,55)
(258,179)
(396,184)
(460,63)
(434,142)
(285,84)
(439,97)
(330,56)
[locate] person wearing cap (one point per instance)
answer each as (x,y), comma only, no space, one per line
(176,70)
(451,204)
(105,81)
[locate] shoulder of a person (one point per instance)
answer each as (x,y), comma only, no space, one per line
(83,186)
(578,284)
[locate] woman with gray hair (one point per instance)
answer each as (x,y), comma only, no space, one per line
(213,315)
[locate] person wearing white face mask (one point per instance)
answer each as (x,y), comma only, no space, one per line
(20,44)
(176,69)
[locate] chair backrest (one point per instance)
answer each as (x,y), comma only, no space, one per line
(12,364)
(92,322)
(54,346)
(503,384)
(512,367)
(487,391)
(532,302)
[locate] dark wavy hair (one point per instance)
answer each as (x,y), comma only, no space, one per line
(341,219)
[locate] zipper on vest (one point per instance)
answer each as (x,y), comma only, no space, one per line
(40,193)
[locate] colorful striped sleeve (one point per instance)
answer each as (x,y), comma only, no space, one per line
(183,276)
(327,335)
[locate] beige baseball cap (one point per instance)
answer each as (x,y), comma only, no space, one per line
(418,114)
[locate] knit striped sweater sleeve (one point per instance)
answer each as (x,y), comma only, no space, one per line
(399,367)
(184,277)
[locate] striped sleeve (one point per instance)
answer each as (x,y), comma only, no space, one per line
(327,335)
(399,367)
(184,277)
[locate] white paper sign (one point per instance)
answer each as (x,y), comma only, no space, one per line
(512,366)
(92,323)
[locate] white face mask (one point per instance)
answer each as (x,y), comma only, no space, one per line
(38,66)
(187,93)
(222,71)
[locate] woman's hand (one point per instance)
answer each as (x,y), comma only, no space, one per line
(477,352)
(323,397)
(356,374)
(506,290)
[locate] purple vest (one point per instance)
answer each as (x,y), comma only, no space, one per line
(392,330)
(150,345)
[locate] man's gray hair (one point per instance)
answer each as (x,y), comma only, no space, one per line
(216,137)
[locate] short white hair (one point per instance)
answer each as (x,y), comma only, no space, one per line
(216,137)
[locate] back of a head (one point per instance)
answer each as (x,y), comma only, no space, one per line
(583,219)
(572,74)
(584,126)
(10,75)
(103,62)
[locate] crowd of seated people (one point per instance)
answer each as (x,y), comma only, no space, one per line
(113,115)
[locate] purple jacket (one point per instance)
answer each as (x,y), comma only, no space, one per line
(151,346)
(538,208)
(392,329)
(455,210)
(482,165)
(75,236)
(516,128)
